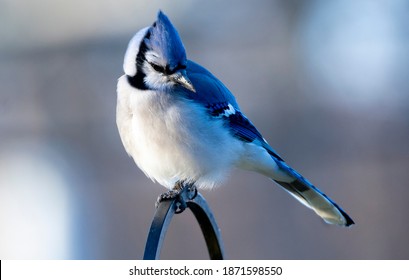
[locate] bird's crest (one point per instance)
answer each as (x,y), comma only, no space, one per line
(164,40)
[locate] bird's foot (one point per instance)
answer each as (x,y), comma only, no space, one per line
(170,194)
(182,193)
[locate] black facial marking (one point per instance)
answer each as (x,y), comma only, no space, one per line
(141,57)
(167,70)
(158,68)
(137,81)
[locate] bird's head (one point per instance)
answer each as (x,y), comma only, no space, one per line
(156,58)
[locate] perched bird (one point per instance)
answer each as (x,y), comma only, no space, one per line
(182,126)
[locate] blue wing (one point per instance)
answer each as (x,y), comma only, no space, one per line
(215,96)
(209,90)
(243,129)
(220,103)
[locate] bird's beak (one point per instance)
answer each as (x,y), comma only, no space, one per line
(181,78)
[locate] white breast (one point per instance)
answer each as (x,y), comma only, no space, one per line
(173,139)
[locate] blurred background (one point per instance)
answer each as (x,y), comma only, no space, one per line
(326,82)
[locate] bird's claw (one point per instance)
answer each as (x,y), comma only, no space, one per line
(169,195)
(181,193)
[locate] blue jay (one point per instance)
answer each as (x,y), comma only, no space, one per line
(182,126)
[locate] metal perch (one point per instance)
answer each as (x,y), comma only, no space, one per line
(204,216)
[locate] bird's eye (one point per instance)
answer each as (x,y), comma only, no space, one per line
(157,67)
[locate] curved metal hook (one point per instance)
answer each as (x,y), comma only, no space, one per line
(204,217)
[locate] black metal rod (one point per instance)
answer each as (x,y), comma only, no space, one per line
(204,216)
(210,230)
